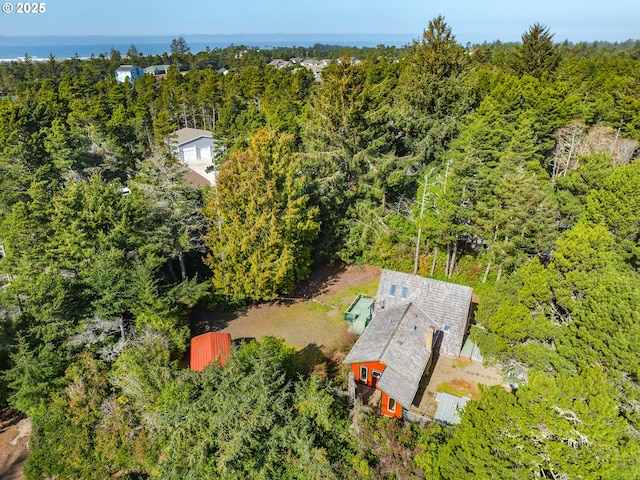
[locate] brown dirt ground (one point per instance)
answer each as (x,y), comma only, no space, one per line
(464,376)
(310,318)
(15,430)
(461,384)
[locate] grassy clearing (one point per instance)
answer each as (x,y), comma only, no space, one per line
(461,364)
(313,327)
(342,298)
(319,307)
(473,392)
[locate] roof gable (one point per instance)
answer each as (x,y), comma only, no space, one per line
(126,68)
(373,342)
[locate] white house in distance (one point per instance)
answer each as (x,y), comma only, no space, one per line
(195,149)
(128,71)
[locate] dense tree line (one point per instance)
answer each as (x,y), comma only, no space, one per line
(509,167)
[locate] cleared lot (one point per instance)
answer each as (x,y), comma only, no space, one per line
(311,316)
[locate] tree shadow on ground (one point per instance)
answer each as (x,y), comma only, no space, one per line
(9,418)
(311,359)
(203,321)
(11,468)
(321,278)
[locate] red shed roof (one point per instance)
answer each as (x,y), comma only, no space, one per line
(206,348)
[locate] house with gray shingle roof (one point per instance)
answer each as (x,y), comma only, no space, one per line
(413,318)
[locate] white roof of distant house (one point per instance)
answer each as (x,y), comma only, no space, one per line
(311,62)
(185,135)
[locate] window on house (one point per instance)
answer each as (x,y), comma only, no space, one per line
(404,293)
(392,290)
(376,374)
(391,405)
(364,374)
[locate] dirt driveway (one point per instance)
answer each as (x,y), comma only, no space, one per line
(15,429)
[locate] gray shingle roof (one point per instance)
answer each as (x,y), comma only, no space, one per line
(396,337)
(406,308)
(445,304)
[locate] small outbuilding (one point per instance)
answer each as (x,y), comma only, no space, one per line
(449,408)
(208,348)
(359,313)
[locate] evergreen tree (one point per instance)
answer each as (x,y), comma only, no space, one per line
(262,225)
(538,56)
(434,93)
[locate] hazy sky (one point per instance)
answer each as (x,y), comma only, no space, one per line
(471,20)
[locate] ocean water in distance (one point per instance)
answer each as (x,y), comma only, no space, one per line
(15,48)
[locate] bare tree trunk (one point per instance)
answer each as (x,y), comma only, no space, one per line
(486,272)
(446,175)
(446,265)
(433,263)
(417,254)
(146,127)
(172,271)
(499,274)
(122,331)
(184,115)
(183,266)
(422,204)
(452,263)
(193,117)
(615,143)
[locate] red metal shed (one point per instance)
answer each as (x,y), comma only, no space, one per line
(206,348)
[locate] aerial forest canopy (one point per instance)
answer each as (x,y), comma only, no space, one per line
(512,168)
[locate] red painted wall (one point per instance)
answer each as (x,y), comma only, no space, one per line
(384,403)
(370,366)
(370,383)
